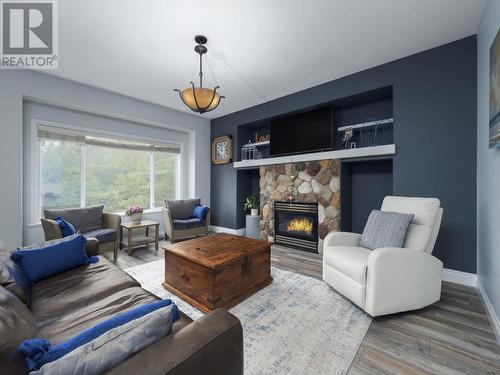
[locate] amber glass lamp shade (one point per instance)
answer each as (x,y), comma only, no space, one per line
(200,99)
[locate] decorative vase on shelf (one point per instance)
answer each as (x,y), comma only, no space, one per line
(136,218)
(254,211)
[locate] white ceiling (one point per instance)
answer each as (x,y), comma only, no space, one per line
(259,49)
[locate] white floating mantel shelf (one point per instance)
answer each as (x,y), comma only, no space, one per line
(337,154)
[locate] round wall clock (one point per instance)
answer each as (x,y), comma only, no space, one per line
(222,150)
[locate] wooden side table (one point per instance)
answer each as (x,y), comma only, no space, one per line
(141,240)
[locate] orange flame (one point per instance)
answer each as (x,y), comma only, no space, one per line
(300,225)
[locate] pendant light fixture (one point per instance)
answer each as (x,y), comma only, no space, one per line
(200,99)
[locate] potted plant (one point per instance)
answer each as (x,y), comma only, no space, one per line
(252,203)
(135,213)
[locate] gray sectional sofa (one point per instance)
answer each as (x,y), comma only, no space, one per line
(61,306)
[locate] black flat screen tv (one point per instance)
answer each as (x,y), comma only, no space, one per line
(304,132)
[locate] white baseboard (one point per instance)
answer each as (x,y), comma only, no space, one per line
(495,322)
(216,229)
(471,279)
(459,277)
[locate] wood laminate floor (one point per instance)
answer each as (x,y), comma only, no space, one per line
(451,337)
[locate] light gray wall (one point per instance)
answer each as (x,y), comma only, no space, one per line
(488,166)
(18,87)
(49,114)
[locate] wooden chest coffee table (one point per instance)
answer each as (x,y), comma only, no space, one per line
(218,270)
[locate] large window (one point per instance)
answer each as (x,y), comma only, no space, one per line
(79,169)
(60,173)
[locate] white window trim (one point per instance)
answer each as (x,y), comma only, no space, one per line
(36,166)
(152,180)
(83,175)
(35,175)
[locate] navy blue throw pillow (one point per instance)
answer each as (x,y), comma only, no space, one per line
(39,351)
(200,212)
(67,229)
(53,258)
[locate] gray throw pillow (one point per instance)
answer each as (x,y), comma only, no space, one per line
(385,229)
(113,347)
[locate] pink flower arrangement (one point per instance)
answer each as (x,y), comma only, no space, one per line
(134,210)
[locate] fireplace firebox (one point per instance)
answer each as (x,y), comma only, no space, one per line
(296,225)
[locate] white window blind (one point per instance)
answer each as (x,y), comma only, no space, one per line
(53,133)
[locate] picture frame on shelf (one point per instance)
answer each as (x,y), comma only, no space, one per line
(222,149)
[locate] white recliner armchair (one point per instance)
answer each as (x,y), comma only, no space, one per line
(389,280)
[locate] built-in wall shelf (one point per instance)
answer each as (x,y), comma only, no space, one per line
(361,152)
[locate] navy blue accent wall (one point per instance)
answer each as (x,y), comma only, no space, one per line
(248,184)
(434,109)
(358,200)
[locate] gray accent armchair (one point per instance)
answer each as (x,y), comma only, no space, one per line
(92,222)
(178,222)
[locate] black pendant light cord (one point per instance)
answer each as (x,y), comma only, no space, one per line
(201,70)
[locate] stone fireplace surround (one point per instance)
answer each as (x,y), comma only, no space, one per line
(314,181)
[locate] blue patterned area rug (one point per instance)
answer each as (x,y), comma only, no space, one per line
(296,325)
